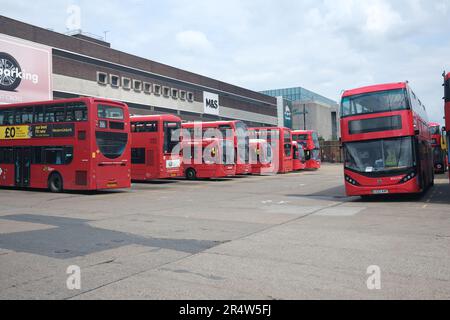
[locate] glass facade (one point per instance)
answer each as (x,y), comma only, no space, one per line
(299,94)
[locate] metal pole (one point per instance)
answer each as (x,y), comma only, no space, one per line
(304,116)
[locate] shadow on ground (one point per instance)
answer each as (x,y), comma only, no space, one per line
(75,237)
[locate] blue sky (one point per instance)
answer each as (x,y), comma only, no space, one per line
(326,46)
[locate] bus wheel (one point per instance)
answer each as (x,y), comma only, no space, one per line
(191,174)
(55,183)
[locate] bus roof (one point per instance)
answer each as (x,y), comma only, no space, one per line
(59,101)
(375,88)
(268,128)
(210,123)
(434,124)
(155,117)
(303,131)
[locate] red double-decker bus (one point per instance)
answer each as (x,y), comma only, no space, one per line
(386,141)
(236,130)
(310,142)
(439,149)
(298,160)
(261,156)
(208,158)
(155,147)
(280,140)
(71,144)
(447,114)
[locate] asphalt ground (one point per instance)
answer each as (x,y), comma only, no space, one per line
(293,236)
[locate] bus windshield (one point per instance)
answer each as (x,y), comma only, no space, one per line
(379,155)
(300,137)
(172,133)
(375,102)
(435,130)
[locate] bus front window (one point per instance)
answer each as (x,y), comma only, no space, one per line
(172,133)
(374,102)
(379,155)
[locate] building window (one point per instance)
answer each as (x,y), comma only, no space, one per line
(137,85)
(102,77)
(147,87)
(126,83)
(190,96)
(157,89)
(166,91)
(114,80)
(183,95)
(175,93)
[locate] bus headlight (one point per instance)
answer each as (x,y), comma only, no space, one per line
(351,181)
(409,177)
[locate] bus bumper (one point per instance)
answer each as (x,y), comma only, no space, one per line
(411,186)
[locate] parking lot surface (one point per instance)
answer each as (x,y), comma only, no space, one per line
(293,236)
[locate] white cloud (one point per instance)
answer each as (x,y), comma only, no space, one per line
(194,41)
(381,18)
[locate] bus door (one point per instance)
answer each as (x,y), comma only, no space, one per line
(22,166)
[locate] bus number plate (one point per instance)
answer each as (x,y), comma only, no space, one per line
(380,191)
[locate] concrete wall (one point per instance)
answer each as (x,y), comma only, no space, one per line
(318,117)
(78,86)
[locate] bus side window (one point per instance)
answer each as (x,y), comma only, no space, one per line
(17,116)
(27,115)
(38,114)
(49,114)
(37,156)
(6,155)
(69,114)
(60,113)
(8,115)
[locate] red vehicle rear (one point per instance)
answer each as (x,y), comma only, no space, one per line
(260,156)
(298,160)
(310,142)
(235,130)
(447,114)
(208,158)
(155,147)
(386,141)
(71,144)
(280,140)
(439,150)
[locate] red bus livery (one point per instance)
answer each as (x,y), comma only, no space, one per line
(310,142)
(239,133)
(208,158)
(439,149)
(261,156)
(155,147)
(280,140)
(298,160)
(386,141)
(71,144)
